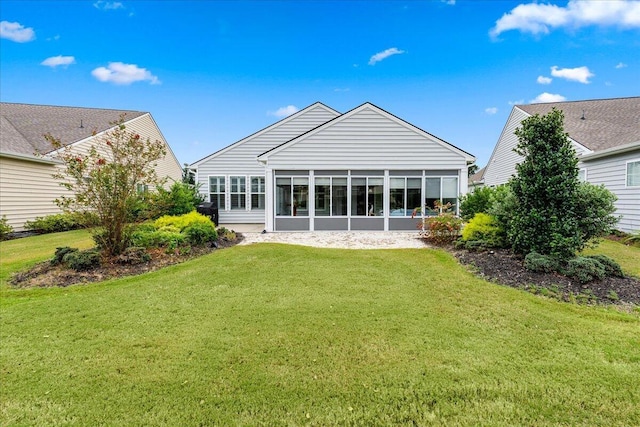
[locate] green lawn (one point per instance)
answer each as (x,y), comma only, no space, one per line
(287,335)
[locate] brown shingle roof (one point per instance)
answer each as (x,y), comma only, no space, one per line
(23,126)
(607,123)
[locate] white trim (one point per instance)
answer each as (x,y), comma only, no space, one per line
(626,173)
(31,158)
(610,151)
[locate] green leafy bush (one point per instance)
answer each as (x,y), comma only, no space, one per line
(486,229)
(61,222)
(60,253)
(201,233)
(585,269)
(611,268)
(158,239)
(477,201)
(540,263)
(182,221)
(5,228)
(180,199)
(595,204)
(82,260)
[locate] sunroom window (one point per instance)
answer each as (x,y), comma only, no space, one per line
(330,196)
(367,196)
(443,190)
(404,195)
(292,196)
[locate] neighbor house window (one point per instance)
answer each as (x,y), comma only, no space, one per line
(216,191)
(367,196)
(582,175)
(404,195)
(238,193)
(633,173)
(257,192)
(292,196)
(331,196)
(441,189)
(142,188)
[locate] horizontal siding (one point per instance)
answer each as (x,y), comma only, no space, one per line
(502,164)
(367,140)
(241,159)
(612,173)
(27,191)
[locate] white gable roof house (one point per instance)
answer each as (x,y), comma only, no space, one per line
(27,160)
(606,136)
(321,170)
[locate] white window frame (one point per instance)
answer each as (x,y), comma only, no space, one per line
(262,185)
(223,192)
(627,175)
(442,178)
(585,174)
(239,182)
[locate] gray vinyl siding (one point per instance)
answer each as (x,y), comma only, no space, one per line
(612,172)
(241,159)
(367,140)
(502,164)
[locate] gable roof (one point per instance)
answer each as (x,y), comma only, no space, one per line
(23,126)
(367,105)
(266,129)
(598,124)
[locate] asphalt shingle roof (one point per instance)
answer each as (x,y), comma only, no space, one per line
(23,126)
(607,123)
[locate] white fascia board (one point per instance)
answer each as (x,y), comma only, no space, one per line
(610,151)
(367,105)
(30,158)
(262,131)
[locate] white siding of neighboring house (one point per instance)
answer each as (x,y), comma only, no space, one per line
(240,159)
(502,164)
(612,172)
(28,190)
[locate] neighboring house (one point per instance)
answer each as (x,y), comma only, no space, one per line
(477,179)
(606,136)
(322,170)
(27,160)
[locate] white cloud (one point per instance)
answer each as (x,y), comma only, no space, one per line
(621,65)
(544,80)
(491,110)
(16,32)
(518,102)
(547,97)
(284,111)
(538,18)
(384,54)
(449,2)
(579,74)
(56,61)
(124,74)
(342,89)
(108,5)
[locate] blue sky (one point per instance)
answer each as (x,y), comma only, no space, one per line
(213,72)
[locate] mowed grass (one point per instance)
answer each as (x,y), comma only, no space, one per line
(287,335)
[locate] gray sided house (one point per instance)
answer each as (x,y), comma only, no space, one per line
(321,170)
(606,136)
(28,161)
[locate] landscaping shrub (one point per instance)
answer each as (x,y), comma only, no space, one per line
(165,238)
(5,228)
(595,204)
(540,263)
(182,221)
(477,201)
(61,222)
(180,199)
(585,269)
(226,234)
(443,228)
(133,255)
(82,260)
(486,229)
(60,253)
(201,233)
(611,268)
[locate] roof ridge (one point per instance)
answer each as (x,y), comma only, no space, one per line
(71,106)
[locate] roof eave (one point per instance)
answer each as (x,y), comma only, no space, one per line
(611,151)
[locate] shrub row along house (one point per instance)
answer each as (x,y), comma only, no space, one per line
(321,170)
(606,136)
(28,161)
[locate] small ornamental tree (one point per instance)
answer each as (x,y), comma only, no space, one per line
(105,180)
(553,213)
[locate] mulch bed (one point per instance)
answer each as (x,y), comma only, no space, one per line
(505,268)
(45,275)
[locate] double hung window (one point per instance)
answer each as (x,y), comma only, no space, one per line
(217,190)
(257,192)
(238,194)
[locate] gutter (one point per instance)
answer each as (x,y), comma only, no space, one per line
(30,158)
(611,151)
